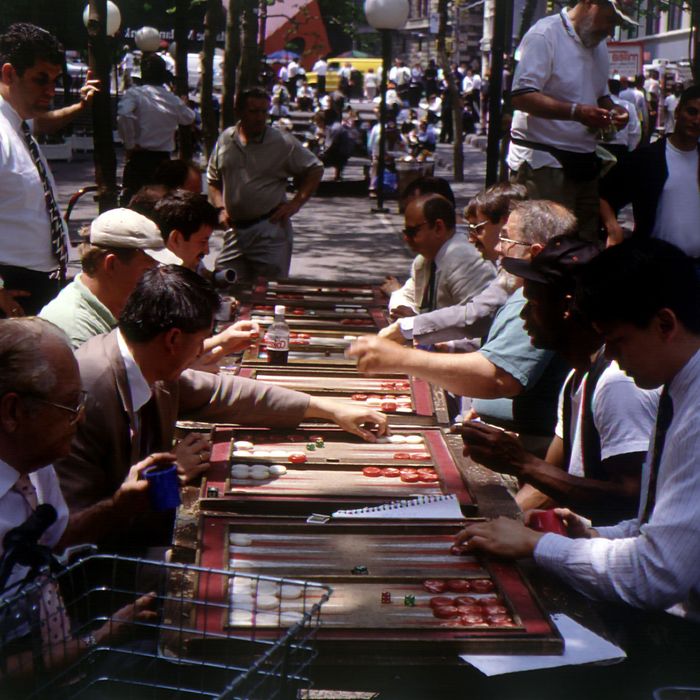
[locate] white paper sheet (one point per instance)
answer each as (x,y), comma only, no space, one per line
(581,646)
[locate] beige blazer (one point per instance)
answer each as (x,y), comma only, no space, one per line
(106,442)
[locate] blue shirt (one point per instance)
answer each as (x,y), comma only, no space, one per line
(541,373)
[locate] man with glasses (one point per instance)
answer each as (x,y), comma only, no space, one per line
(447,269)
(485,214)
(513,384)
(41,407)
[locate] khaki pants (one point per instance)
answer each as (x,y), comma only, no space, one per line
(580,197)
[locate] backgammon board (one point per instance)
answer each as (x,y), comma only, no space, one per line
(313,292)
(353,318)
(397,588)
(323,470)
(407,401)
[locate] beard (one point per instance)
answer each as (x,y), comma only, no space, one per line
(589,38)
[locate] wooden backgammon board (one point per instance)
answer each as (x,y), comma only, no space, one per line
(307,291)
(328,469)
(352,318)
(407,401)
(397,588)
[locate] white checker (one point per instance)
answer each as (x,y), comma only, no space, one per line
(278,469)
(238,539)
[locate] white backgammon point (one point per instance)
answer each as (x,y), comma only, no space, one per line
(239,539)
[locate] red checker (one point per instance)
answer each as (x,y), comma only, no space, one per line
(372,471)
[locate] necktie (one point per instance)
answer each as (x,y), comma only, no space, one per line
(428,303)
(55,625)
(663,422)
(58,241)
(149,428)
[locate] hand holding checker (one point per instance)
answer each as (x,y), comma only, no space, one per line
(493,447)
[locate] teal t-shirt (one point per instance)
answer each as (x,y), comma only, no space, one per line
(541,372)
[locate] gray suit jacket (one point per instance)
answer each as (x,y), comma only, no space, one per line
(106,443)
(462,274)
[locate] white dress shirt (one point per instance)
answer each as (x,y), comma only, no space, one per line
(148,116)
(14,509)
(657,564)
(139,388)
(25,228)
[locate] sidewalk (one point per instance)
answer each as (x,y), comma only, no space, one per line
(335,237)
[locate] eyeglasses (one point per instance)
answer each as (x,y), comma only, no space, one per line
(503,239)
(412,231)
(474,228)
(75,411)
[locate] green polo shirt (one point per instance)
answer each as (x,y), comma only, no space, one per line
(78,312)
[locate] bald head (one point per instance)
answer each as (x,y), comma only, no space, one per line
(430,222)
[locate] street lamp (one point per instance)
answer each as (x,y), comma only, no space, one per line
(114,18)
(384,15)
(147,39)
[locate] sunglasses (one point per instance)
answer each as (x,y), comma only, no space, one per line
(412,231)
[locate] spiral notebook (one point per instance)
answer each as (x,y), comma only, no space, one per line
(421,507)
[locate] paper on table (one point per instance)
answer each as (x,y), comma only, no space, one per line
(581,646)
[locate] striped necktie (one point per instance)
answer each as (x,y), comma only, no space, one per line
(58,240)
(55,625)
(428,301)
(663,422)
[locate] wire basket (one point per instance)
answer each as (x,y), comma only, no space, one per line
(134,628)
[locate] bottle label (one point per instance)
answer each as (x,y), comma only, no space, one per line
(277,343)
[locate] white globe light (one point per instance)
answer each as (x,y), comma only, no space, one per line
(386,14)
(114,18)
(147,39)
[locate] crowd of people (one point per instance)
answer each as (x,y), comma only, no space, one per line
(570,349)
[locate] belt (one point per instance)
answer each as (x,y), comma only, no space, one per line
(247,223)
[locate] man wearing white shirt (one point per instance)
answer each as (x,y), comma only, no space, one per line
(147,118)
(642,296)
(560,95)
(33,253)
(321,70)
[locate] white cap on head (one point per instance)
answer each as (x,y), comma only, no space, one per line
(125,228)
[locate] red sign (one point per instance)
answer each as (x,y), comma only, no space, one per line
(626,58)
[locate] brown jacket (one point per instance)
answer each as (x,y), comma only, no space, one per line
(103,449)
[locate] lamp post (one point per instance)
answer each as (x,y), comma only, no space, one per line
(147,39)
(102,19)
(384,15)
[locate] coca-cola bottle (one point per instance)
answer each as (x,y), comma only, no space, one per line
(277,339)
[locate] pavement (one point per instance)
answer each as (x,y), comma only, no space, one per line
(336,238)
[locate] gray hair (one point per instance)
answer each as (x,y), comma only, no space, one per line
(542,219)
(24,367)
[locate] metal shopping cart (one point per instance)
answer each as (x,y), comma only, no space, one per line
(134,628)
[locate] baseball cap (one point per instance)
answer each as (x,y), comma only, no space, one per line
(125,228)
(556,264)
(621,7)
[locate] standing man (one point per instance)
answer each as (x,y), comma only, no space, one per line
(148,117)
(34,249)
(247,176)
(560,94)
(321,69)
(661,182)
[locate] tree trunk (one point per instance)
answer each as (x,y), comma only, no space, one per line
(212,24)
(104,157)
(232,56)
(249,66)
(182,79)
(455,92)
(263,29)
(695,49)
(526,18)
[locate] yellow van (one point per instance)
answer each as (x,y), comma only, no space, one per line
(334,66)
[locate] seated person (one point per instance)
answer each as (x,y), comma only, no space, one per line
(122,245)
(644,567)
(41,404)
(138,386)
(513,384)
(447,269)
(186,221)
(594,463)
(485,214)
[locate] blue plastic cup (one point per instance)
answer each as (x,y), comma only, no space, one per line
(163,486)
